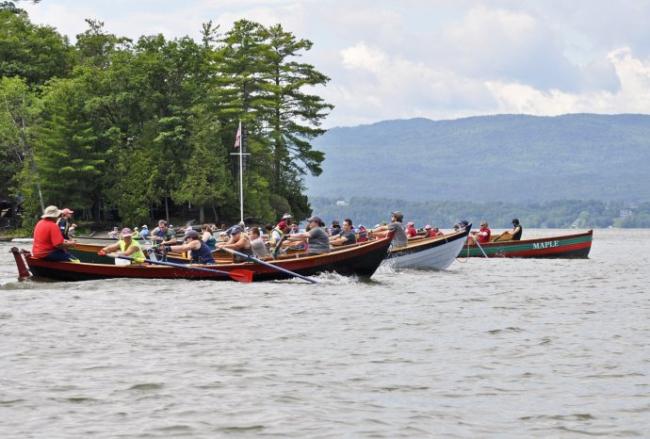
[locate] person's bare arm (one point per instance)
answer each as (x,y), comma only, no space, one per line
(111,248)
(298,236)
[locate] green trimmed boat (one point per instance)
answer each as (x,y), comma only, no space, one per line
(576,246)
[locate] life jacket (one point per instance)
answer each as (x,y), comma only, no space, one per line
(517,235)
(203,255)
(272,240)
(138,256)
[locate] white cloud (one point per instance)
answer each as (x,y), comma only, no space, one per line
(445,59)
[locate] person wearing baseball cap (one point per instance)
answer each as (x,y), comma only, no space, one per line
(126,246)
(238,241)
(198,251)
(279,231)
(49,243)
(65,222)
(318,242)
(399,234)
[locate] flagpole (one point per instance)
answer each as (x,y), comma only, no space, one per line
(241,175)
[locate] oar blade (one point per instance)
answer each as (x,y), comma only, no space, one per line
(240,275)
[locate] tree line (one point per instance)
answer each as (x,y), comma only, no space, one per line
(128,130)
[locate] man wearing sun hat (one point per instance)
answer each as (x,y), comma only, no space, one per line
(126,246)
(49,243)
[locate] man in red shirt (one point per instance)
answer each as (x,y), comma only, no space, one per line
(484,233)
(49,243)
(411,231)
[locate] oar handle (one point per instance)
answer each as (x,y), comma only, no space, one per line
(266,264)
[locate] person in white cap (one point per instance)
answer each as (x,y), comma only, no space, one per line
(49,243)
(126,246)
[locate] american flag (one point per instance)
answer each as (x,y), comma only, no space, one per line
(238,137)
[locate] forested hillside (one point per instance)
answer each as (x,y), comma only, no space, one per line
(551,214)
(493,158)
(124,131)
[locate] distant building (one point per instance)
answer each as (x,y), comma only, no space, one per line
(341,203)
(625,213)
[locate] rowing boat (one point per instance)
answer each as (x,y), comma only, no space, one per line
(574,246)
(436,253)
(359,260)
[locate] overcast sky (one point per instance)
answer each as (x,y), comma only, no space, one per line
(437,59)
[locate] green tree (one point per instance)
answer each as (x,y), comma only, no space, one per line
(206,179)
(69,154)
(36,53)
(297,115)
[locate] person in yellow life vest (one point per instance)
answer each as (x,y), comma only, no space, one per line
(126,246)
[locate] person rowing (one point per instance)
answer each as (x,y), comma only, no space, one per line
(280,230)
(163,234)
(483,235)
(198,250)
(208,237)
(126,246)
(239,241)
(318,242)
(395,226)
(346,236)
(257,244)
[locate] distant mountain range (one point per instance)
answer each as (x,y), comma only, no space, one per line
(509,158)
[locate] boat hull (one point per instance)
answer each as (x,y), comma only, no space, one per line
(429,253)
(575,246)
(357,260)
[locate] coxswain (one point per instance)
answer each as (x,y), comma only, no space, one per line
(49,243)
(316,238)
(346,236)
(163,234)
(126,246)
(65,223)
(512,235)
(517,230)
(395,226)
(198,250)
(238,241)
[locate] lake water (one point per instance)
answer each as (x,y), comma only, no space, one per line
(490,348)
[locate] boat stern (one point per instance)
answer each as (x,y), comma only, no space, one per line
(21,263)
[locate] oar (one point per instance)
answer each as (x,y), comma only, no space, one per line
(479,246)
(245,276)
(266,264)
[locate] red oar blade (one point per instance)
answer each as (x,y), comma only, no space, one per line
(245,276)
